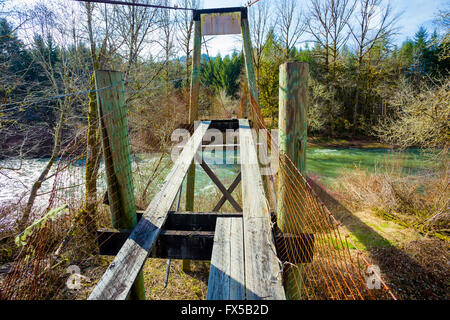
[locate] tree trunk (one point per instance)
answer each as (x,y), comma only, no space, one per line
(356,106)
(42,177)
(93,141)
(92,163)
(355,110)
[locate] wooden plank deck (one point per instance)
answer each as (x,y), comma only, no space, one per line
(116,282)
(226,275)
(244,264)
(263,278)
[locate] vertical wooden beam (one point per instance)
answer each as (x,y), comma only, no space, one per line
(195,78)
(292,112)
(114,128)
(292,143)
(112,111)
(248,57)
(243,105)
(193,113)
(253,90)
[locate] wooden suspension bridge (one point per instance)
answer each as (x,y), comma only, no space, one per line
(243,245)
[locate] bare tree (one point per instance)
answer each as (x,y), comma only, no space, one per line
(134,25)
(289,26)
(442,21)
(167,24)
(261,26)
(372,23)
(328,23)
(61,75)
(98,60)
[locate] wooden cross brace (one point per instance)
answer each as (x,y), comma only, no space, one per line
(230,191)
(226,192)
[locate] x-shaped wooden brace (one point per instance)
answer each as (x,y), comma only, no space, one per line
(226,192)
(230,191)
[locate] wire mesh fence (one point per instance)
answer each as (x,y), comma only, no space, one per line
(63,233)
(82,192)
(332,270)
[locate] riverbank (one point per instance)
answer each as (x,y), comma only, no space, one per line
(358,142)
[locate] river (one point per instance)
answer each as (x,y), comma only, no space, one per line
(324,163)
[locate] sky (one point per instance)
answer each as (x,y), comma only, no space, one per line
(414,14)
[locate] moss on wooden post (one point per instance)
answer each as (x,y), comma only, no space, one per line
(249,67)
(292,112)
(195,79)
(116,150)
(292,143)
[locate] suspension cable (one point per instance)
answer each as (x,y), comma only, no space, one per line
(251,3)
(136,4)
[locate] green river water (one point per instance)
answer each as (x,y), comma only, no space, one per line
(324,163)
(327,164)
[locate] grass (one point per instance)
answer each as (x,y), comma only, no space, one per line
(364,143)
(419,201)
(181,285)
(387,233)
(391,217)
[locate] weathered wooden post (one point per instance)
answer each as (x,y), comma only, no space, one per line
(243,105)
(255,110)
(195,78)
(292,143)
(248,57)
(292,112)
(193,112)
(116,151)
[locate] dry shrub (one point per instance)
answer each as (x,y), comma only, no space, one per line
(37,269)
(420,116)
(224,106)
(420,201)
(10,212)
(153,117)
(8,219)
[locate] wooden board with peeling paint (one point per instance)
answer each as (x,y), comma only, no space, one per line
(221,24)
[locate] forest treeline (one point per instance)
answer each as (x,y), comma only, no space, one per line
(361,83)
